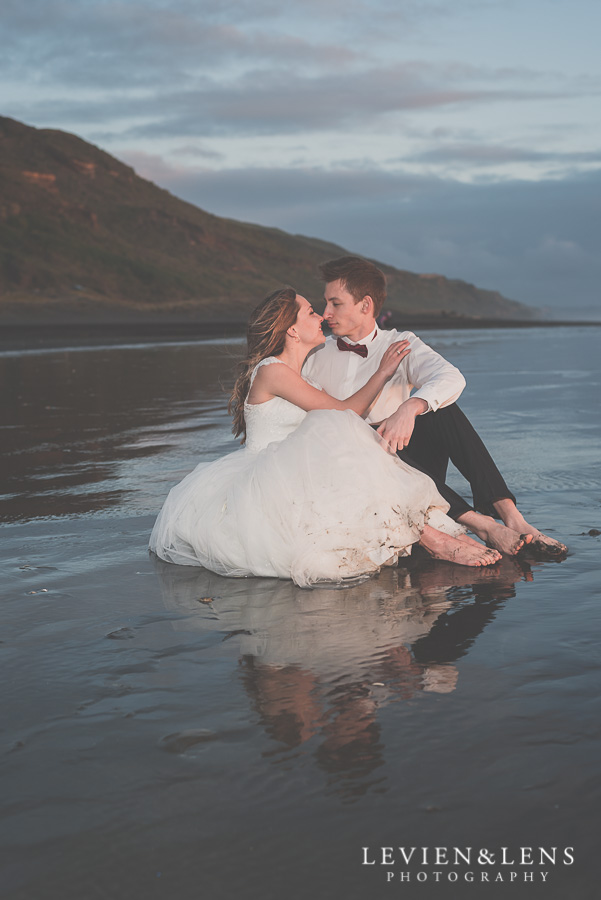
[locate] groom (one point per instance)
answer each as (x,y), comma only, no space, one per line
(426,428)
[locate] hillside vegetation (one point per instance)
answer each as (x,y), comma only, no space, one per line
(83,238)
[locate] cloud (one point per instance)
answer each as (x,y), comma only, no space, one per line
(187,68)
(196,150)
(276,101)
(125,44)
(483,155)
(270,101)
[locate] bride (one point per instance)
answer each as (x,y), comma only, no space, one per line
(313,496)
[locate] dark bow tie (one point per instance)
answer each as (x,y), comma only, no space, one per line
(360,349)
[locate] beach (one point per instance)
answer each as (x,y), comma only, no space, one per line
(170,733)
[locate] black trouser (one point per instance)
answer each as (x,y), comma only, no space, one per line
(448,434)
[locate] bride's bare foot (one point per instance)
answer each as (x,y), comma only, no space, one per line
(463,552)
(497,535)
(540,543)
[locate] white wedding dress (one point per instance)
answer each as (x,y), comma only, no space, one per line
(312,496)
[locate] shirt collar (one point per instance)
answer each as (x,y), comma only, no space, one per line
(366,340)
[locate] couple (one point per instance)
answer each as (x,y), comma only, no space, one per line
(325,497)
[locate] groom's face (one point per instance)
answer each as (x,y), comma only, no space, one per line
(344,315)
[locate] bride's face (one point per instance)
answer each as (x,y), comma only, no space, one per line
(308,324)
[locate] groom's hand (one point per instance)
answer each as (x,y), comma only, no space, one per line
(397,429)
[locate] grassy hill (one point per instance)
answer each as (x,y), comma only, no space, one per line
(84,239)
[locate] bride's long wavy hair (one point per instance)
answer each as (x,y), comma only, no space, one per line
(266,336)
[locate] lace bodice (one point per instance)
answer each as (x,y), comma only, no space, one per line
(270,421)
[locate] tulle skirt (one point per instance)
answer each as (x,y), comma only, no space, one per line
(326,504)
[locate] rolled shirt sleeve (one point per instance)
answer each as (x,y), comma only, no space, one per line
(434,378)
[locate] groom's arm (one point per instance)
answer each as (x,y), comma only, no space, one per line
(397,429)
(437,383)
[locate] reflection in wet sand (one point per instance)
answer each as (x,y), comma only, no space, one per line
(81,431)
(317,665)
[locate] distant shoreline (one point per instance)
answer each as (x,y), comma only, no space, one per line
(31,336)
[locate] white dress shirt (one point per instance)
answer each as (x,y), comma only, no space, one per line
(422,373)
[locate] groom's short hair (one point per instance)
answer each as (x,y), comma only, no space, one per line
(359,277)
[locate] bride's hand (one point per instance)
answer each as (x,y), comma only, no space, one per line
(392,357)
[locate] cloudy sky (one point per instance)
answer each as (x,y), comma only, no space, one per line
(452,136)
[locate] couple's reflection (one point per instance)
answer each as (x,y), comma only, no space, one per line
(317,665)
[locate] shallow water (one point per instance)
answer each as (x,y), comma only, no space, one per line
(169,733)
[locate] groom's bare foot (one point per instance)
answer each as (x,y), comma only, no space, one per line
(539,543)
(501,537)
(468,540)
(464,552)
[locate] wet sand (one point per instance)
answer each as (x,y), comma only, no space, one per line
(169,733)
